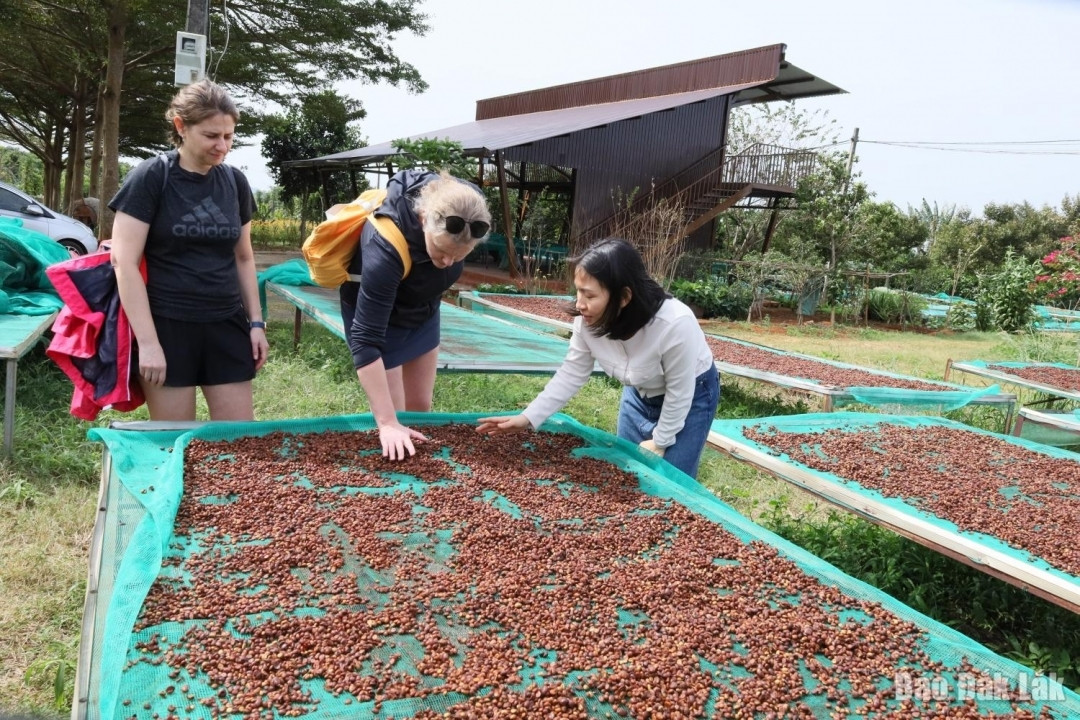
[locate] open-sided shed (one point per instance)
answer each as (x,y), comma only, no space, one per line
(660,131)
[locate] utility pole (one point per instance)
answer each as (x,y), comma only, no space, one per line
(850,157)
(198,17)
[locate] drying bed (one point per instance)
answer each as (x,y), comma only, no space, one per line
(841,383)
(1005,505)
(548,313)
(288,570)
(1056,379)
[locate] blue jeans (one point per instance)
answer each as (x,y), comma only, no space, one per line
(638,417)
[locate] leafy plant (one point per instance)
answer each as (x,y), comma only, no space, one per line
(20,492)
(891,306)
(279,233)
(58,669)
(505,289)
(714,298)
(435,154)
(1008,293)
(961,317)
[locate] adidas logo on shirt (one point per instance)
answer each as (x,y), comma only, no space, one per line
(206,221)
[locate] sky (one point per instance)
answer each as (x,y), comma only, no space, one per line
(992,82)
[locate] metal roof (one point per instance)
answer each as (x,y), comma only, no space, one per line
(758,75)
(484,137)
(738,68)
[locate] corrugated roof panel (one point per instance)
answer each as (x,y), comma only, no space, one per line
(482,137)
(745,67)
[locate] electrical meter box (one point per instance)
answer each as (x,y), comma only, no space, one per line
(190,58)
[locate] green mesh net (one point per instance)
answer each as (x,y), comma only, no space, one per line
(1059,428)
(469,342)
(486,583)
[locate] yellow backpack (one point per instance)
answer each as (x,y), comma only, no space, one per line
(330,247)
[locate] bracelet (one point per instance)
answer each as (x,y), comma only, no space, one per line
(257,324)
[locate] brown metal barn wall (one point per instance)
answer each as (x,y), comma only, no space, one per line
(758,65)
(629,154)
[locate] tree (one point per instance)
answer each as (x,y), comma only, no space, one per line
(956,247)
(322,123)
(784,124)
(828,205)
(888,238)
(780,124)
(435,154)
(277,50)
(1029,231)
(934,218)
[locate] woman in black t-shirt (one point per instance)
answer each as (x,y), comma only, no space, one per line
(196,313)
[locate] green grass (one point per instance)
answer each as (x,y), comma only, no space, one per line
(48,491)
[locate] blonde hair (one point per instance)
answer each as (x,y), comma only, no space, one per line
(197,102)
(446,195)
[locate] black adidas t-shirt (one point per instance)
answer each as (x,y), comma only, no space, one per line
(195,222)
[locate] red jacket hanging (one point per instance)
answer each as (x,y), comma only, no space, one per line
(92,341)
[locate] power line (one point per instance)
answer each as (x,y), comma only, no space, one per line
(980,148)
(975,142)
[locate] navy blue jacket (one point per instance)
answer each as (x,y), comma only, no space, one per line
(383,298)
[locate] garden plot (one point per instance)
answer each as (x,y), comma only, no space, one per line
(286,569)
(1006,506)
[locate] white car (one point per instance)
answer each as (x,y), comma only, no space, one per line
(69,232)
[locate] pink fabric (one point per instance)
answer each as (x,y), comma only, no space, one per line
(81,332)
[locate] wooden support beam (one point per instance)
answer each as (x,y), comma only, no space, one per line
(508,224)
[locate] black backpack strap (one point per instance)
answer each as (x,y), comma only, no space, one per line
(167,162)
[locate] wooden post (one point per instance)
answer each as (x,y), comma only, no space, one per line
(508,226)
(198,17)
(866,293)
(770,228)
(851,158)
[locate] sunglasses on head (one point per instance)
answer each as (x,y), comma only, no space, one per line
(455,224)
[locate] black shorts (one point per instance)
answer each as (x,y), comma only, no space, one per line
(210,353)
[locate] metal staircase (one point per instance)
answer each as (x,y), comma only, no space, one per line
(716,183)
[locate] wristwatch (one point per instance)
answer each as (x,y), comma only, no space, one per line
(257,324)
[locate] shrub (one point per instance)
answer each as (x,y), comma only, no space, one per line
(506,289)
(714,298)
(1057,280)
(891,306)
(961,317)
(1009,294)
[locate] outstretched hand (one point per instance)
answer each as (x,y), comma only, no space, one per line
(503,424)
(651,447)
(396,439)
